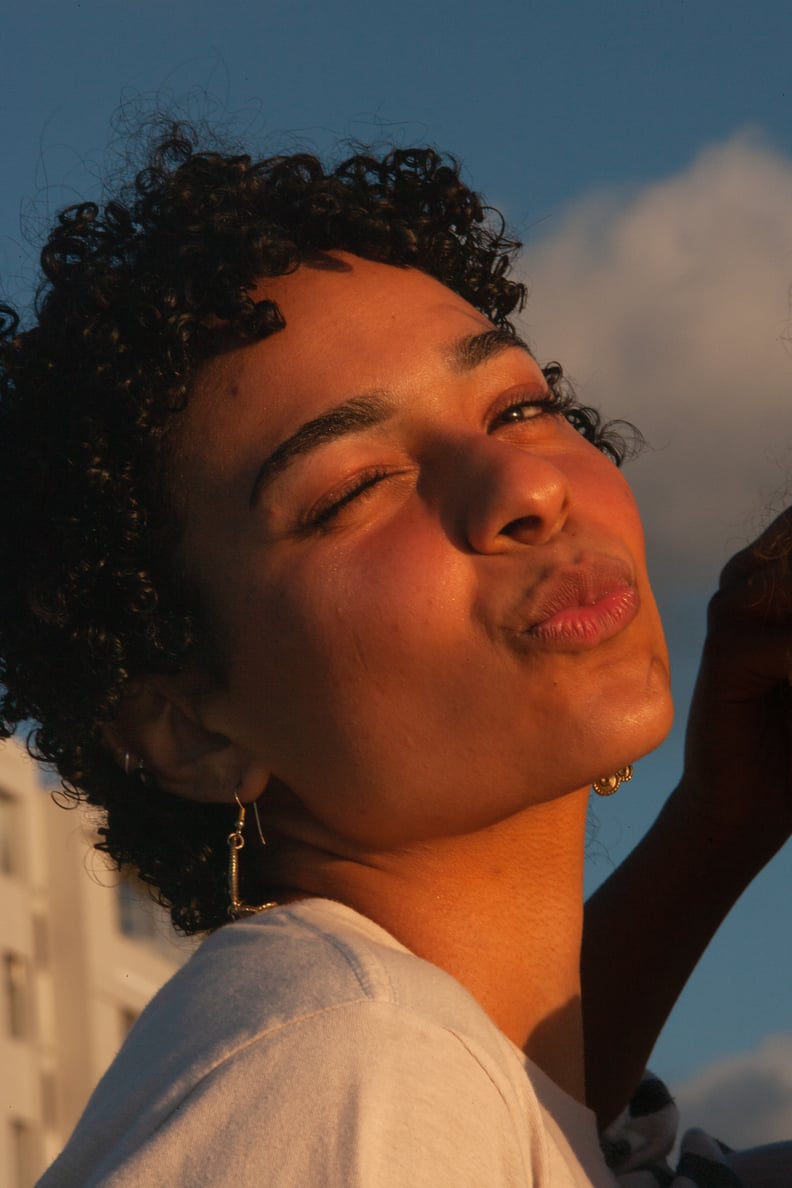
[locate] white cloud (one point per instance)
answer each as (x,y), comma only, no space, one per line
(744,1100)
(670,306)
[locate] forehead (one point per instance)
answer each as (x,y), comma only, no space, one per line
(351,325)
(342,299)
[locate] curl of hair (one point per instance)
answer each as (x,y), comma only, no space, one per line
(136,294)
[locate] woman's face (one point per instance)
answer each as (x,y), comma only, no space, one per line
(428,591)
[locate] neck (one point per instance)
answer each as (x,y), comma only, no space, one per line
(501,910)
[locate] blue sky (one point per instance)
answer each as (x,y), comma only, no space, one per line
(643,150)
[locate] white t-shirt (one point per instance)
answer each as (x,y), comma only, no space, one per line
(306,1048)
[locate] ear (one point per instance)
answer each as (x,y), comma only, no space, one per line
(159,729)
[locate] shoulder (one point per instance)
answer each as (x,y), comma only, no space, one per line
(316,1049)
(317,991)
(258,975)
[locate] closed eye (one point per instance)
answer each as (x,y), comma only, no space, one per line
(331,505)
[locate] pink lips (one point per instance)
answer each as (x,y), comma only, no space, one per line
(582,606)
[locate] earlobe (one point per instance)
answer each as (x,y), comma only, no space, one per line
(156,724)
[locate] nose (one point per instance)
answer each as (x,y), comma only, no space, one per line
(511,497)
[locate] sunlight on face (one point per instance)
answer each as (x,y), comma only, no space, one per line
(429,589)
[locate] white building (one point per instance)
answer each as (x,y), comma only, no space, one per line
(82,952)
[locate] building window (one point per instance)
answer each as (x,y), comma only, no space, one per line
(49,1099)
(23,1154)
(40,942)
(126,1019)
(9,833)
(141,919)
(18,990)
(136,911)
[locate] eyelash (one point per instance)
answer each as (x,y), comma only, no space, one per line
(352,490)
(551,404)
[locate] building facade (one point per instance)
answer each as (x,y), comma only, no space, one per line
(82,951)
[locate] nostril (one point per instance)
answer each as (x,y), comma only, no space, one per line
(523,526)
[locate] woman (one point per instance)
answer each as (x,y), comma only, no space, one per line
(303,526)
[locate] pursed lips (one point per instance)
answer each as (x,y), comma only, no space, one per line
(578,606)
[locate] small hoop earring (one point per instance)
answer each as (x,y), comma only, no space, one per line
(139,769)
(607,785)
(236,841)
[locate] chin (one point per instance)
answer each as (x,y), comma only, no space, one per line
(636,723)
(646,728)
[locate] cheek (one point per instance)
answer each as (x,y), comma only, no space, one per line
(304,642)
(611,501)
(329,653)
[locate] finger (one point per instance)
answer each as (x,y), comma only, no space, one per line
(737,644)
(757,582)
(761,602)
(763,599)
(773,545)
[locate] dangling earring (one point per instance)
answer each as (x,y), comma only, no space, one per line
(607,785)
(236,840)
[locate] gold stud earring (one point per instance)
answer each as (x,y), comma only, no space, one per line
(607,785)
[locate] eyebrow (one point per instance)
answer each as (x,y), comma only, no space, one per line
(469,353)
(353,416)
(373,408)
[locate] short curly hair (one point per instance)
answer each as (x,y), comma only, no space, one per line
(136,295)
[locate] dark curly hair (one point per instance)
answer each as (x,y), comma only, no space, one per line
(136,295)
